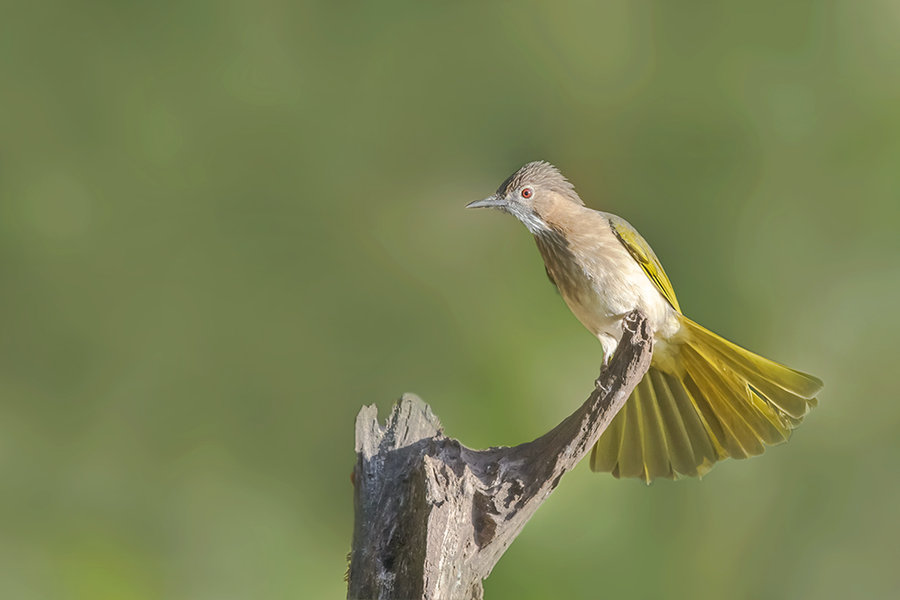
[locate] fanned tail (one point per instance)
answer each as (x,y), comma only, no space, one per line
(721,400)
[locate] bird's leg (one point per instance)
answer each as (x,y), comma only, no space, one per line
(607,356)
(629,322)
(609,344)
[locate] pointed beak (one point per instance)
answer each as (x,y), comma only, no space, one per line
(489,202)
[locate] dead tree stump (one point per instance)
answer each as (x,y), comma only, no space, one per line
(433,517)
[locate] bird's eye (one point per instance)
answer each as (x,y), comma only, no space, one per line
(527,192)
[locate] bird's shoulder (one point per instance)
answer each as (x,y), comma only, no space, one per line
(641,252)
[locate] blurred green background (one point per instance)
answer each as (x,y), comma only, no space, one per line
(225,226)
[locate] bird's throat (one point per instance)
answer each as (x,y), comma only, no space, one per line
(562,267)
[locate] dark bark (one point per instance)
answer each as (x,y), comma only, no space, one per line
(433,517)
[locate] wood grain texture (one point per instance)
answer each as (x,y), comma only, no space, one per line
(433,517)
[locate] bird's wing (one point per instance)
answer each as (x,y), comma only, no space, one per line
(641,252)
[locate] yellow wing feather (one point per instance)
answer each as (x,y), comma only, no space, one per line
(719,400)
(643,254)
(723,401)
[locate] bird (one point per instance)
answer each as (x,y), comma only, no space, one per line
(703,398)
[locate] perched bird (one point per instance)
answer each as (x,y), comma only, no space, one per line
(704,398)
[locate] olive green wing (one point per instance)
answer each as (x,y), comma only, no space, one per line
(643,254)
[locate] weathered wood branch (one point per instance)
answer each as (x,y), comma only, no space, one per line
(433,517)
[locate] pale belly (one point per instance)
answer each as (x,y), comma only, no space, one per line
(602,290)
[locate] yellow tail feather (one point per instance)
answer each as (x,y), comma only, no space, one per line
(718,400)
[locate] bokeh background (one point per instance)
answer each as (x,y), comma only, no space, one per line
(225,226)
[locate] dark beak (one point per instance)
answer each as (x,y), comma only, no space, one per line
(489,202)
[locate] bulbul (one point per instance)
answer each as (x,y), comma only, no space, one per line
(704,398)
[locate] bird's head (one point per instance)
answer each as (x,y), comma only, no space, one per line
(529,193)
